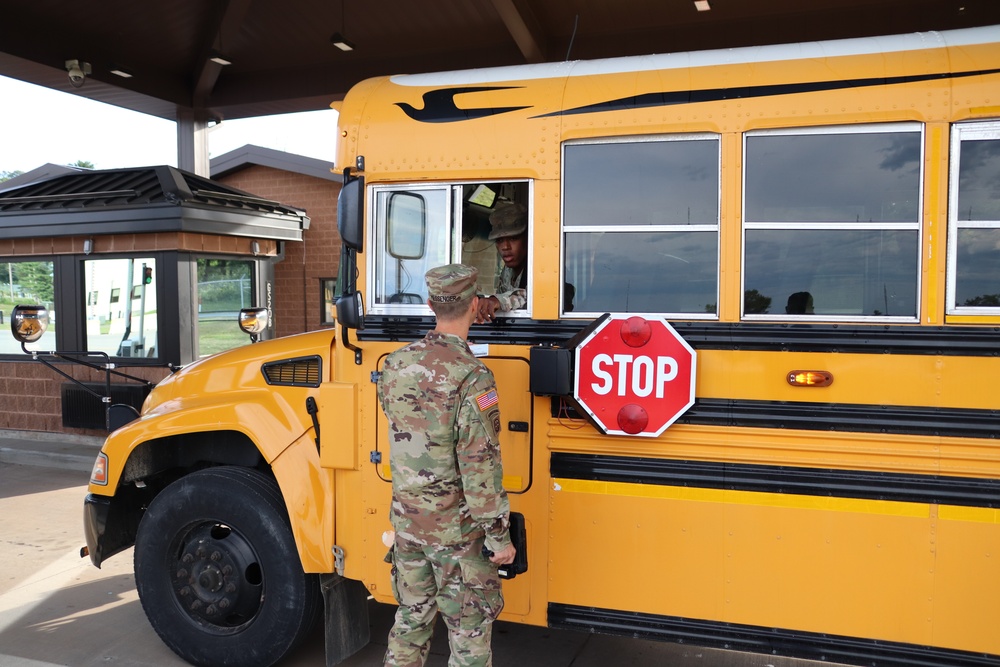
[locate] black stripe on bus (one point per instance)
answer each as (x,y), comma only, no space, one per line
(676,97)
(834,483)
(964,341)
(759,639)
(851,417)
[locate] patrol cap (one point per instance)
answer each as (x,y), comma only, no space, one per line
(452,282)
(509,219)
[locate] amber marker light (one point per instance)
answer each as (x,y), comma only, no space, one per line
(99,475)
(810,378)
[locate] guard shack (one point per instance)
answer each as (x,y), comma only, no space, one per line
(148,265)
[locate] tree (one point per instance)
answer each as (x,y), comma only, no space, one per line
(755,303)
(83,164)
(35,279)
(7,175)
(983,300)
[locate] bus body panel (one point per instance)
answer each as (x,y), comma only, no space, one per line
(747,512)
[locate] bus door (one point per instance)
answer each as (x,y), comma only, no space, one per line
(516,431)
(511,374)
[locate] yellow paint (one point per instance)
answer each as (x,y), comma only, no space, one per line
(833,565)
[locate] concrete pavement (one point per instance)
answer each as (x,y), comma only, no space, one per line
(56,609)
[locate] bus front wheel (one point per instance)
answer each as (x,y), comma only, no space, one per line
(218,573)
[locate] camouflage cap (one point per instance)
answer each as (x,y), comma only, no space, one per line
(452,282)
(510,219)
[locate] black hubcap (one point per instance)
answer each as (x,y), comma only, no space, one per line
(217,577)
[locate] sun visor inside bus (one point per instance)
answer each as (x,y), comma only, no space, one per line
(552,367)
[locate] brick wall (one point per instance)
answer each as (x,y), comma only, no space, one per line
(297,278)
(30,394)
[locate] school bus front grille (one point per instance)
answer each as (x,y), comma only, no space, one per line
(300,372)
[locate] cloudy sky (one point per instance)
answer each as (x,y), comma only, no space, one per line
(39,125)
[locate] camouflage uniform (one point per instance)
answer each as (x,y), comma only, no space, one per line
(511,290)
(448,498)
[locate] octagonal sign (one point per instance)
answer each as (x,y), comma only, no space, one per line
(634,375)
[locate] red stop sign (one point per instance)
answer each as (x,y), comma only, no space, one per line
(634,376)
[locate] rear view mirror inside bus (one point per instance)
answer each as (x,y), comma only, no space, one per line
(406,223)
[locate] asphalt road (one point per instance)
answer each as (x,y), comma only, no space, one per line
(56,609)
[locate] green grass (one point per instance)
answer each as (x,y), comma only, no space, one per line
(218,336)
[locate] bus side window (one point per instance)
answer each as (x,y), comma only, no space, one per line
(836,237)
(641,234)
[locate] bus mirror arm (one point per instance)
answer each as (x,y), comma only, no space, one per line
(350,314)
(349,346)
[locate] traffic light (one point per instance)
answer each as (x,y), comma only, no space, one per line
(147,274)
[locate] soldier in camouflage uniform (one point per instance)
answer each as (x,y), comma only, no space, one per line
(510,231)
(448,499)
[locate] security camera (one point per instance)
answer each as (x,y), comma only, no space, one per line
(77,71)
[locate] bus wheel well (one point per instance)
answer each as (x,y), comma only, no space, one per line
(178,455)
(154,464)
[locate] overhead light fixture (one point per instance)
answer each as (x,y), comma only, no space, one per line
(120,71)
(77,72)
(341,42)
(702,5)
(219,59)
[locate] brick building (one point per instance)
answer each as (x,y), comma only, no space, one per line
(297,268)
(305,183)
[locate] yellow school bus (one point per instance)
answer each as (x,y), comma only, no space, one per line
(800,245)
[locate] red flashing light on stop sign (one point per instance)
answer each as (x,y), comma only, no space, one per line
(635,332)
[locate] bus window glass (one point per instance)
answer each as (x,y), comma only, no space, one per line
(621,265)
(26,284)
(836,237)
(974,243)
(641,226)
(838,177)
(842,272)
(401,257)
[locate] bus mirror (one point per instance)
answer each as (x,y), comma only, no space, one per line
(28,323)
(351,310)
(406,225)
(253,321)
(350,214)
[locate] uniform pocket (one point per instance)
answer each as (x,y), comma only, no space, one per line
(483,599)
(412,577)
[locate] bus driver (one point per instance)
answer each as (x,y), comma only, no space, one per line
(510,231)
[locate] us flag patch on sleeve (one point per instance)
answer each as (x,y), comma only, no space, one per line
(487,400)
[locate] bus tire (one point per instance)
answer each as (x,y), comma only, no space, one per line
(218,573)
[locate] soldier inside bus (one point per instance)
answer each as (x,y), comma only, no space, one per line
(509,224)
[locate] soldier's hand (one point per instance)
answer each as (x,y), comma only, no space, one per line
(505,556)
(488,306)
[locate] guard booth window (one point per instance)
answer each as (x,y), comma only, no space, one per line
(224,287)
(641,226)
(831,222)
(974,220)
(121,315)
(28,284)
